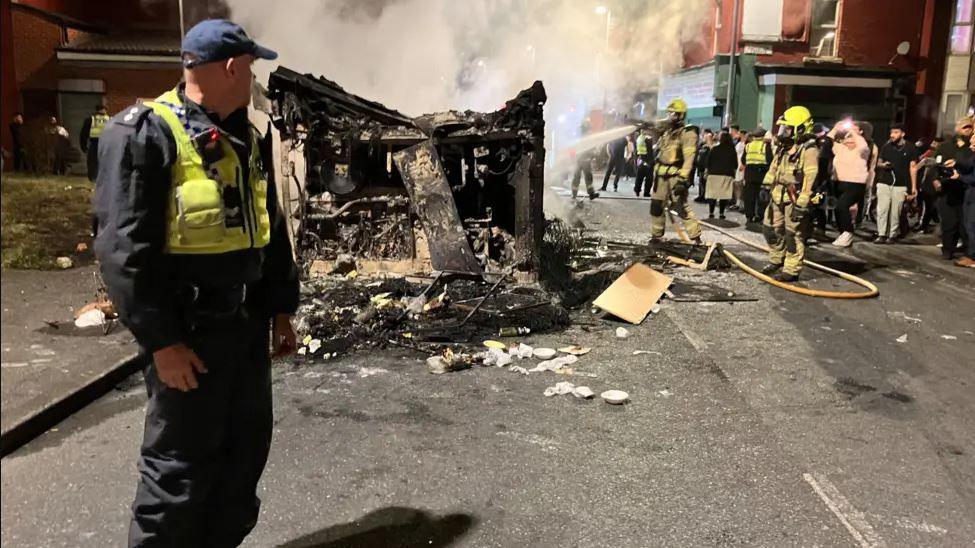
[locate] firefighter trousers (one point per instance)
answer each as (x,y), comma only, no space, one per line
(663,198)
(784,235)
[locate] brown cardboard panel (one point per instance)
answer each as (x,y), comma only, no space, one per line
(634,293)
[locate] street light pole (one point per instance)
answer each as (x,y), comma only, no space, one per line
(729,100)
(603,10)
(182,30)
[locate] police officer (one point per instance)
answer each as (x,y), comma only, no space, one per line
(197,259)
(756,159)
(644,163)
(675,162)
(91,131)
(788,186)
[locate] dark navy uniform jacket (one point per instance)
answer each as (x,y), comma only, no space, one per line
(135,154)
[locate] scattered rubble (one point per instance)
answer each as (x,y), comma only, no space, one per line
(64,263)
(544,353)
(556,364)
(615,397)
(90,318)
(560,389)
(622,333)
(634,294)
(449,361)
(575,350)
(348,315)
(583,392)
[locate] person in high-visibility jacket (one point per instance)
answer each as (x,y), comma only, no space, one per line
(756,159)
(197,260)
(788,187)
(675,162)
(91,132)
(644,163)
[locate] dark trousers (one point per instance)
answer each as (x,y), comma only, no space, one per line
(752,208)
(970,219)
(644,176)
(702,183)
(92,159)
(930,200)
(20,158)
(616,164)
(951,209)
(203,451)
(847,195)
(722,204)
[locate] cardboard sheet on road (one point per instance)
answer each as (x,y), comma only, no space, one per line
(634,293)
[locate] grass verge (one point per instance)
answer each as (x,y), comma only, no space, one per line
(43,217)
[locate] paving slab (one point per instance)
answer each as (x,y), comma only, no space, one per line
(42,365)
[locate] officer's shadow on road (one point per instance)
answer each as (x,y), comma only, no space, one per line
(391,527)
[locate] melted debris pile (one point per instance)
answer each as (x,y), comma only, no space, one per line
(577,267)
(341,314)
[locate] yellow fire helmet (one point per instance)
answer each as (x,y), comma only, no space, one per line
(799,119)
(677,105)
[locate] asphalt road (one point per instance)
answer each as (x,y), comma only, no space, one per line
(786,421)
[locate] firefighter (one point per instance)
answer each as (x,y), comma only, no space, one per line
(91,132)
(583,165)
(196,256)
(644,163)
(788,185)
(675,161)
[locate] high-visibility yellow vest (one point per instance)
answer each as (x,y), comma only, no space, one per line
(98,122)
(641,145)
(198,219)
(755,154)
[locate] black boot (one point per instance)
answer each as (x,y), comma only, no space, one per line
(786,277)
(771,268)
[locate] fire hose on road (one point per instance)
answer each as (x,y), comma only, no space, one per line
(871,289)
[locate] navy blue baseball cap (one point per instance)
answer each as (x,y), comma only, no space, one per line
(219,39)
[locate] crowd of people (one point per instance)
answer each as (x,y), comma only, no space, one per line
(904,187)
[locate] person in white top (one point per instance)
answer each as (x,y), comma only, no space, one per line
(851,155)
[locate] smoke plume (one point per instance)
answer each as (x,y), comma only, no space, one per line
(422,56)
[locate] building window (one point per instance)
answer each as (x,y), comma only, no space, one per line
(823,27)
(961,31)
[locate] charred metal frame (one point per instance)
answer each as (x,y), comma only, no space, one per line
(471,181)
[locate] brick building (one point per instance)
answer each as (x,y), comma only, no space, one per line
(62,57)
(881,62)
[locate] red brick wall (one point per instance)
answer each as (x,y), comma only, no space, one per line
(868,35)
(697,52)
(162,14)
(34,41)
